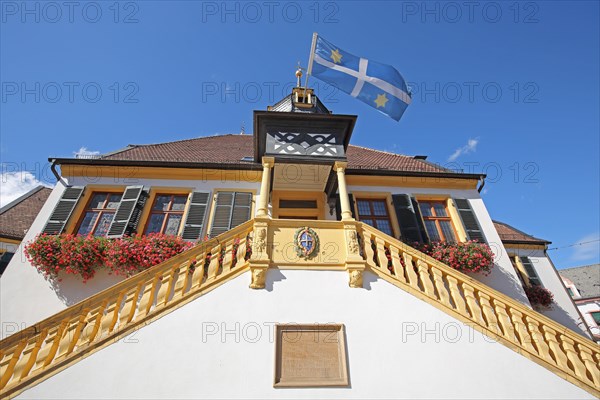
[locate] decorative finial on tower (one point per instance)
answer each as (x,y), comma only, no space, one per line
(242,129)
(299,75)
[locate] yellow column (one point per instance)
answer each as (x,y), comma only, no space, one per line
(263,201)
(340,168)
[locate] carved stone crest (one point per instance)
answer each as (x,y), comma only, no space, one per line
(261,240)
(306,242)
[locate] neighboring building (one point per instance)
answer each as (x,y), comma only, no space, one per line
(583,284)
(343,306)
(533,265)
(15,219)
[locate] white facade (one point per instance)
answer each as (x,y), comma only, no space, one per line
(221,346)
(563,310)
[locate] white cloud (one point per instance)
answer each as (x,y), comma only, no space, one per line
(589,250)
(15,184)
(470,147)
(83,152)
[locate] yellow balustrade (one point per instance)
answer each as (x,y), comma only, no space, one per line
(35,353)
(39,351)
(566,353)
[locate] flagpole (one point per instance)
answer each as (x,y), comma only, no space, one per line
(310,61)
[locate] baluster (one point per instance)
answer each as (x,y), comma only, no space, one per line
(9,361)
(241,252)
(521,330)
(70,336)
(166,285)
(423,269)
(489,314)
(109,319)
(569,345)
(213,267)
(396,264)
(228,256)
(588,360)
(48,350)
(438,280)
(88,333)
(505,322)
(147,297)
(29,355)
(413,279)
(381,257)
(474,308)
(457,298)
(198,274)
(129,307)
(368,246)
(559,354)
(538,340)
(183,277)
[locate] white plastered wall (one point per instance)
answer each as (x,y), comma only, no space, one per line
(221,346)
(26,297)
(503,276)
(562,310)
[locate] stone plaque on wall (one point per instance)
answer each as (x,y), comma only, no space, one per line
(310,355)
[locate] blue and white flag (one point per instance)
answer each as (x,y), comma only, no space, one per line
(379,85)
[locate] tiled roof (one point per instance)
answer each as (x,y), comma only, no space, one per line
(17,216)
(585,278)
(510,234)
(231,149)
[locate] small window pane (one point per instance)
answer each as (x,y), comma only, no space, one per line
(363,208)
(104,224)
(440,210)
(98,200)
(596,316)
(173,224)
(425,209)
(447,231)
(178,203)
(162,203)
(432,231)
(113,201)
(88,223)
(379,208)
(155,223)
(384,226)
(369,222)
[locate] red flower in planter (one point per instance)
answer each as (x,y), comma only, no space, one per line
(84,255)
(539,295)
(468,256)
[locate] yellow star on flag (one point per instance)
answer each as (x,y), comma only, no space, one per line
(336,56)
(381,100)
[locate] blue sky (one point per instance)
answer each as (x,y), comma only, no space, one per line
(510,89)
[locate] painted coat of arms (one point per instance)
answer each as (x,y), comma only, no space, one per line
(306,242)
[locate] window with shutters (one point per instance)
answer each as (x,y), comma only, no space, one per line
(230,210)
(438,223)
(99,213)
(525,271)
(166,214)
(375,212)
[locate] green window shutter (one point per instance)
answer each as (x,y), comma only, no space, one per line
(534,278)
(338,207)
(409,219)
(231,210)
(63,210)
(128,213)
(194,223)
(469,220)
